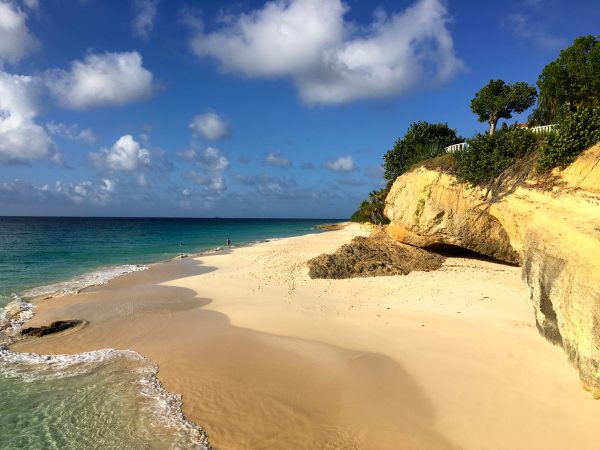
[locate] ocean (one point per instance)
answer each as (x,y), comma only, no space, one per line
(108,398)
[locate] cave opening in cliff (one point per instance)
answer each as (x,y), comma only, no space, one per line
(456,251)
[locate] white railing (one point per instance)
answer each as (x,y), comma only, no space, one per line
(456,147)
(543,129)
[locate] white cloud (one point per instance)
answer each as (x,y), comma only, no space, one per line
(125,155)
(108,185)
(212,163)
(101,79)
(521,26)
(145,13)
(341,164)
(72,132)
(330,59)
(82,192)
(268,185)
(15,39)
(282,38)
(31,4)
(284,188)
(22,192)
(21,139)
(276,159)
(210,126)
(211,158)
(213,180)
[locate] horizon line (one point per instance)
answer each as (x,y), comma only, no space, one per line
(2,216)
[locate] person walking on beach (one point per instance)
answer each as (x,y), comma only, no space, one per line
(228,242)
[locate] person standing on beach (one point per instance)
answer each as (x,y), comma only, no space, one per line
(228,242)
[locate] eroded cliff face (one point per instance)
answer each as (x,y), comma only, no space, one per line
(550,226)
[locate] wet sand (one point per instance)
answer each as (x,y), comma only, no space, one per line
(265,357)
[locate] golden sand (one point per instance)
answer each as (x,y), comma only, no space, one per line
(265,357)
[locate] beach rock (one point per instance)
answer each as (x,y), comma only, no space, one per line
(54,327)
(377,255)
(330,226)
(549,224)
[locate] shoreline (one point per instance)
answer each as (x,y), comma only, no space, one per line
(143,266)
(265,356)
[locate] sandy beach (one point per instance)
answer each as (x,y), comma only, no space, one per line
(266,357)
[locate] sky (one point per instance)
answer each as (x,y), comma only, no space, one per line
(246,108)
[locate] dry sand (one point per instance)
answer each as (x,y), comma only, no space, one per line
(265,357)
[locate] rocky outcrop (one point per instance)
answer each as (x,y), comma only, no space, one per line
(377,255)
(550,225)
(330,226)
(54,327)
(436,209)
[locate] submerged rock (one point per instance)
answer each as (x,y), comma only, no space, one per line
(549,224)
(54,327)
(373,256)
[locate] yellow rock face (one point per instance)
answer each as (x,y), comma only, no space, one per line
(551,227)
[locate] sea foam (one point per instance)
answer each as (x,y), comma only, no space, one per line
(20,310)
(163,408)
(74,285)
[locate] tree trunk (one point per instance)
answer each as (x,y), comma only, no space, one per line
(493,123)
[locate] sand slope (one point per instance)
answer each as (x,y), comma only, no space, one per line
(265,357)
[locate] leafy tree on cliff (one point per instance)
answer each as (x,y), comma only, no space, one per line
(498,100)
(570,81)
(422,141)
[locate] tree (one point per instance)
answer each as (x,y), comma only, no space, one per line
(570,81)
(422,141)
(498,100)
(371,210)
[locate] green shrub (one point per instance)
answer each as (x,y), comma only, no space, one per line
(422,141)
(576,132)
(371,210)
(487,156)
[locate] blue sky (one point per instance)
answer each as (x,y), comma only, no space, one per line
(246,108)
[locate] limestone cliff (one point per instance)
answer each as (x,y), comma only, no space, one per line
(550,225)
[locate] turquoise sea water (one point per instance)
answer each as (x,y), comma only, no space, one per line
(105,399)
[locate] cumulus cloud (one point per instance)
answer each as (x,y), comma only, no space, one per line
(141,180)
(210,126)
(72,132)
(521,26)
(21,139)
(210,158)
(276,159)
(214,181)
(23,192)
(341,164)
(331,60)
(101,80)
(145,13)
(15,39)
(211,178)
(125,155)
(271,186)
